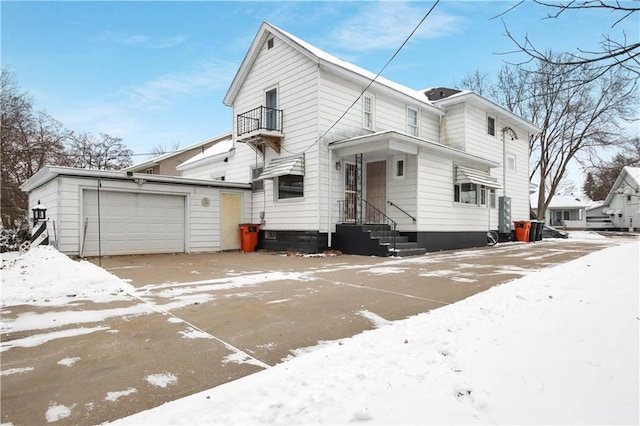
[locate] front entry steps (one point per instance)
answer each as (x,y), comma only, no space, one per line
(373,240)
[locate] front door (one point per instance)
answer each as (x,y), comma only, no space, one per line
(376,191)
(231,215)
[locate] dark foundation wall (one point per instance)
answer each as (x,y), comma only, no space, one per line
(436,241)
(302,241)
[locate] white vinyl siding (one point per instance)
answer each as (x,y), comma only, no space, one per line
(297,80)
(202,223)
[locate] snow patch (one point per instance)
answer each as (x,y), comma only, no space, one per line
(161,380)
(39,339)
(113,396)
(376,319)
(68,362)
(192,333)
(11,371)
(57,412)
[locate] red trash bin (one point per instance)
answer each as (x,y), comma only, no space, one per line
(522,229)
(249,237)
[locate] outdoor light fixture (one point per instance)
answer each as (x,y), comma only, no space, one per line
(511,132)
(338,165)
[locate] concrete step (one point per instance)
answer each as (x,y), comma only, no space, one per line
(405,252)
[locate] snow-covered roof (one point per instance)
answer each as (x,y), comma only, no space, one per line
(628,179)
(561,201)
(47,173)
(158,159)
(220,150)
(322,57)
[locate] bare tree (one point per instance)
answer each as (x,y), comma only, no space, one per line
(579,111)
(102,152)
(161,149)
(30,140)
(601,176)
(611,53)
(476,82)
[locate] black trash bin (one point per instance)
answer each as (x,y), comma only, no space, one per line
(533,230)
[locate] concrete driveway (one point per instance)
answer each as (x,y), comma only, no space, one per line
(197,321)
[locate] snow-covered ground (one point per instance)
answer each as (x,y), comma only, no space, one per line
(556,346)
(559,346)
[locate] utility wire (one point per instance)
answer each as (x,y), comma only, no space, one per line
(371,82)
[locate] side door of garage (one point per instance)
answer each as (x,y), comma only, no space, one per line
(132,223)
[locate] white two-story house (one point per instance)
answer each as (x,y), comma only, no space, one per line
(340,160)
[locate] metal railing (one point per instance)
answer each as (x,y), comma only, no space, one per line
(402,210)
(359,211)
(261,118)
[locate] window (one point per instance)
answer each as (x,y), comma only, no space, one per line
(412,122)
(367,112)
(269,43)
(256,185)
(511,162)
(217,177)
(491,126)
(290,186)
(399,167)
(471,193)
(149,171)
(465,193)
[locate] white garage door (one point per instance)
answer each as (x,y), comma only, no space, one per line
(132,223)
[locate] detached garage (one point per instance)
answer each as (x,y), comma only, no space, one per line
(109,213)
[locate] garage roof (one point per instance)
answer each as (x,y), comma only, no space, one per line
(48,173)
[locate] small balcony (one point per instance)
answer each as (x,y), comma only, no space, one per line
(261,126)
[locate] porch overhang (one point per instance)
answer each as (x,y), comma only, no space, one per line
(396,143)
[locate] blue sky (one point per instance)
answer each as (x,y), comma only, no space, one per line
(155,73)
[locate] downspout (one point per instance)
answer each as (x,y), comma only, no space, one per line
(329,198)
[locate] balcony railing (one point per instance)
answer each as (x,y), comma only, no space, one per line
(260,119)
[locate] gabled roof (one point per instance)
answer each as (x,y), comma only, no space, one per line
(217,152)
(168,155)
(323,58)
(629,177)
(470,97)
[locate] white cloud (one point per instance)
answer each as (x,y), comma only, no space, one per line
(385,25)
(142,40)
(204,78)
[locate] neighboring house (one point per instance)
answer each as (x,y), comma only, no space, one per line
(564,211)
(330,152)
(622,204)
(92,212)
(597,219)
(165,164)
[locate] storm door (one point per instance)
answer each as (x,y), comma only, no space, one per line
(376,191)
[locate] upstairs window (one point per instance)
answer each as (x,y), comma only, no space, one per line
(491,125)
(412,122)
(367,112)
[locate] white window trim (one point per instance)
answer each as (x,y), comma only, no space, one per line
(372,112)
(417,125)
(276,192)
(395,160)
(495,125)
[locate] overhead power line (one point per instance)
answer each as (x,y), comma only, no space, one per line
(426,15)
